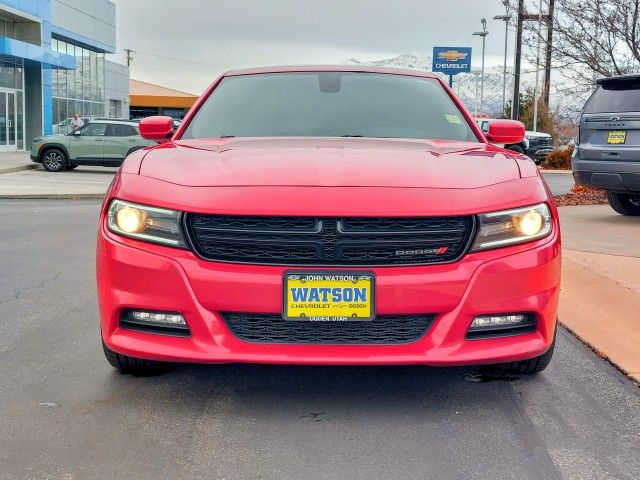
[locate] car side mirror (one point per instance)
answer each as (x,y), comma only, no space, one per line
(77,133)
(505,131)
(157,128)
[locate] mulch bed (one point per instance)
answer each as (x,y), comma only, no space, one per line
(582,196)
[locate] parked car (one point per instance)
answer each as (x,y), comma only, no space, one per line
(540,145)
(536,145)
(103,143)
(607,153)
(328,215)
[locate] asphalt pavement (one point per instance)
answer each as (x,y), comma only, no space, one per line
(66,414)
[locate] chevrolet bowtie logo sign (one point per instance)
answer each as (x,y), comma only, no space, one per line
(452,55)
(451,60)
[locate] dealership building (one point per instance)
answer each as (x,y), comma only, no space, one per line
(52,65)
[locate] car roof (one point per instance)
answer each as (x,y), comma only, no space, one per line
(328,68)
(114,121)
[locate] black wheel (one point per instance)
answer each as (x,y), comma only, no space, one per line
(526,367)
(70,167)
(54,160)
(137,367)
(516,148)
(624,204)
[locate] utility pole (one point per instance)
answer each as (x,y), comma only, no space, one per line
(535,91)
(129,56)
(506,17)
(515,102)
(547,63)
(522,17)
(482,34)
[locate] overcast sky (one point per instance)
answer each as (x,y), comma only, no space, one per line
(212,36)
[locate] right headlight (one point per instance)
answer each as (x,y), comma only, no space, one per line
(147,223)
(510,227)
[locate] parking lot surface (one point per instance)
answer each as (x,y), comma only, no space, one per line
(66,414)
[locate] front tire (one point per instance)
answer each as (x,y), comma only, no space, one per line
(526,367)
(624,204)
(517,148)
(54,160)
(137,367)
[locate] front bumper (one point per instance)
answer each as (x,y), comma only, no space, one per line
(622,177)
(538,154)
(131,274)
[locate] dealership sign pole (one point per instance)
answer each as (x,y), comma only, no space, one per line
(451,61)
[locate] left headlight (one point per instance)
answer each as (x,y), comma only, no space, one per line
(510,227)
(143,222)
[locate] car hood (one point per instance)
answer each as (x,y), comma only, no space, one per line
(330,162)
(531,134)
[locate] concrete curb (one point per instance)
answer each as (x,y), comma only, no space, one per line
(55,196)
(18,168)
(554,171)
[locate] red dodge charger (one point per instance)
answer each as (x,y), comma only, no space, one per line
(328,215)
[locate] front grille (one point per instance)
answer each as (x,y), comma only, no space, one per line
(383,330)
(330,241)
(540,142)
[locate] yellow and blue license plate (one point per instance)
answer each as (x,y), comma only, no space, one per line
(328,296)
(617,137)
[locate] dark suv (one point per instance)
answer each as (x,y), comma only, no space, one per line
(608,151)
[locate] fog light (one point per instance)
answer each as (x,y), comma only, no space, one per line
(496,321)
(492,326)
(174,319)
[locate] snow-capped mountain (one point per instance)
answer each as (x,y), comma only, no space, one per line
(466,85)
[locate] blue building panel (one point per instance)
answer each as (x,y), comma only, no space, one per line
(29,51)
(49,59)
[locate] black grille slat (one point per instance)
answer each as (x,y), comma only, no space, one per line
(329,241)
(252,223)
(383,330)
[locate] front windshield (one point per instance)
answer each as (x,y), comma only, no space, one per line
(330,104)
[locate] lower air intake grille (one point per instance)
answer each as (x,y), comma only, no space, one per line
(384,329)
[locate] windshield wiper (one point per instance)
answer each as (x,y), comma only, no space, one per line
(351,136)
(227,136)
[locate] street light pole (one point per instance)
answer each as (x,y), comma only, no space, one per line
(535,91)
(506,17)
(482,34)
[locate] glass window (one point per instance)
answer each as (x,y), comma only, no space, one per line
(100,78)
(119,130)
(79,72)
(115,108)
(94,129)
(615,96)
(20,120)
(330,104)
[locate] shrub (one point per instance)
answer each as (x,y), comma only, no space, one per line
(558,159)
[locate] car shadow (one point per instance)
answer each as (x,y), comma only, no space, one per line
(313,393)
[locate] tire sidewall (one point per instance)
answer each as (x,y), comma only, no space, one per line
(49,164)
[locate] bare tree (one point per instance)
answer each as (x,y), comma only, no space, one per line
(592,38)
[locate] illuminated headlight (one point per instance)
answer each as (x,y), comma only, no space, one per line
(142,222)
(510,227)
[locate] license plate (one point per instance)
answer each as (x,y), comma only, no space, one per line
(617,136)
(328,296)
